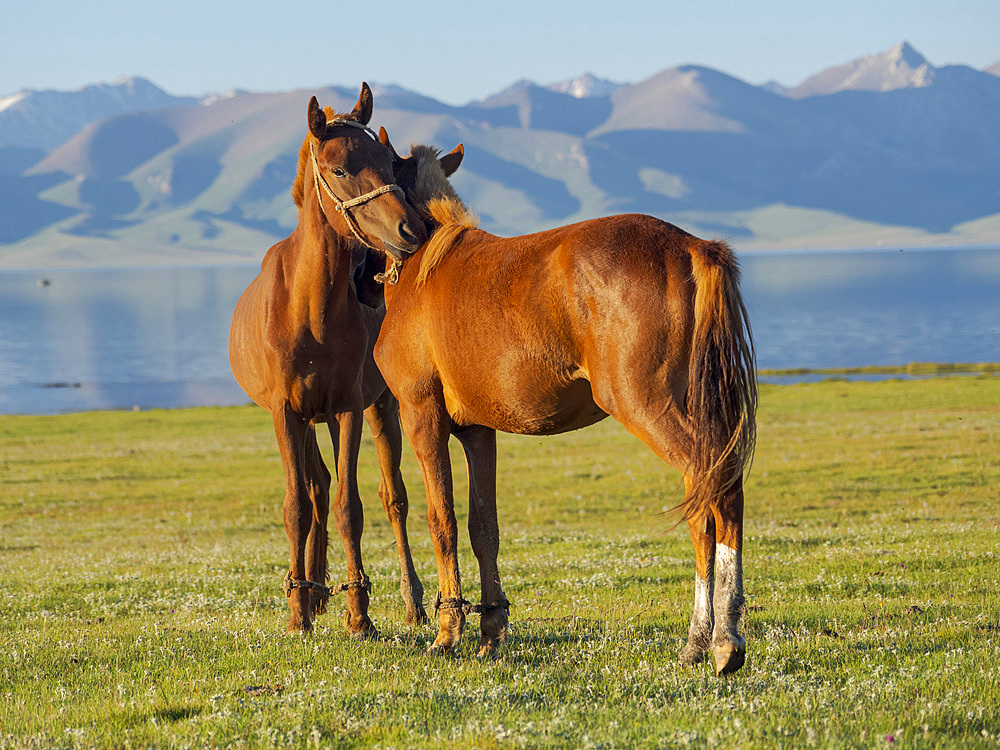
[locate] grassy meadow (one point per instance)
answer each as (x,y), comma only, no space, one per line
(141,558)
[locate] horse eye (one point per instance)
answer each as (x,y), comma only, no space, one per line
(339,172)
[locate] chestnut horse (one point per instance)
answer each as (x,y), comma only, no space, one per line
(550,332)
(300,345)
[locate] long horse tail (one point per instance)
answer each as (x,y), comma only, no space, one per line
(722,382)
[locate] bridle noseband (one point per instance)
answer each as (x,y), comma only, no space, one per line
(344,207)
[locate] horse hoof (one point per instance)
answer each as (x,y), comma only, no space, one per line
(442,651)
(417,616)
(729,657)
(360,627)
(488,648)
(298,627)
(368,634)
(691,655)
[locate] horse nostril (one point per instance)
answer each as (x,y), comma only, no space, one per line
(407,235)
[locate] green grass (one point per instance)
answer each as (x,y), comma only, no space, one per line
(141,557)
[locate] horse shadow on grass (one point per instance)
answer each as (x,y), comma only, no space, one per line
(176,713)
(572,634)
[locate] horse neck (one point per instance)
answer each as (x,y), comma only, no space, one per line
(322,267)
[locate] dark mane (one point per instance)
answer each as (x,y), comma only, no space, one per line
(436,200)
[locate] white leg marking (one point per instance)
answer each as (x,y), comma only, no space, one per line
(702,613)
(700,632)
(729,564)
(728,592)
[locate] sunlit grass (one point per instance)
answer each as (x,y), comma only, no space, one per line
(913,368)
(141,557)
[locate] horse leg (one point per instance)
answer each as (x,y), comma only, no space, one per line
(702,530)
(383,421)
(661,424)
(728,647)
(291,430)
(428,427)
(480,445)
(349,517)
(318,484)
(718,541)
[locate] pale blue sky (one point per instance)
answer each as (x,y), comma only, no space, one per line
(458,52)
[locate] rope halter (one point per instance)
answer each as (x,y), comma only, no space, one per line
(344,207)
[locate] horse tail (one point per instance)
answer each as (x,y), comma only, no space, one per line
(722,383)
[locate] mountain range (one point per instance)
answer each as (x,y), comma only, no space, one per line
(884,150)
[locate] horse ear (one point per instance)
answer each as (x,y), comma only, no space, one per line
(449,162)
(317,119)
(397,161)
(363,109)
(383,138)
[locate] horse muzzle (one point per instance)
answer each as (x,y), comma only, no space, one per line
(408,241)
(398,253)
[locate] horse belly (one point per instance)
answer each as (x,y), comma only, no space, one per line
(539,409)
(245,349)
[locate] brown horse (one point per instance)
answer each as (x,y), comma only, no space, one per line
(300,345)
(550,332)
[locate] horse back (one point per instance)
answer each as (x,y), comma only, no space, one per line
(525,322)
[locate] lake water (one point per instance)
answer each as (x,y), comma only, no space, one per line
(126,338)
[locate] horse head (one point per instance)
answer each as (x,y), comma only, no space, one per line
(352,176)
(424,174)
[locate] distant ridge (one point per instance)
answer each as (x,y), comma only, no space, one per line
(44,119)
(585,86)
(886,150)
(899,68)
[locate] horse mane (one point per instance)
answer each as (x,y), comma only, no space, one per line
(436,200)
(298,187)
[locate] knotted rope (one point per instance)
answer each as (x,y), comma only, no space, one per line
(391,273)
(290,584)
(468,607)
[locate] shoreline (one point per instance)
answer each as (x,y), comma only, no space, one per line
(775,377)
(228,261)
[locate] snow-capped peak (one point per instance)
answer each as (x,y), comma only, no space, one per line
(9,101)
(901,67)
(585,86)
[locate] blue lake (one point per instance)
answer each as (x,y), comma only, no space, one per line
(126,338)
